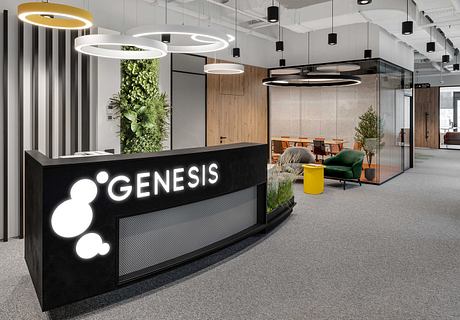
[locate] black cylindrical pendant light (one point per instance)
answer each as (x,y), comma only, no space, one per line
(273,13)
(445,57)
(279,46)
(431,46)
(456,66)
(236,51)
(407,26)
(166,37)
(282,62)
(332,37)
(368,52)
(364,2)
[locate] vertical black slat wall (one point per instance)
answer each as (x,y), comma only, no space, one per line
(73,94)
(21,125)
(34,88)
(5,125)
(61,88)
(49,89)
(85,101)
(28,93)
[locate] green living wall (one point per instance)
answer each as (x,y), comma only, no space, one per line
(143,110)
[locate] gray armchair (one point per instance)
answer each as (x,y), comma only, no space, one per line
(295,157)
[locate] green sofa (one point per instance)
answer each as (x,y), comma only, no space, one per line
(345,166)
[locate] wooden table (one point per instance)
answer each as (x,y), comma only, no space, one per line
(310,141)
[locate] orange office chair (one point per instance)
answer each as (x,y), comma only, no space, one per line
(277,150)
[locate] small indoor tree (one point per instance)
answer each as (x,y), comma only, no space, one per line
(369,135)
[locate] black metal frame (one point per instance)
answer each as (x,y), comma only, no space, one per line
(346,180)
(172,70)
(49,86)
(5,125)
(74,147)
(21,125)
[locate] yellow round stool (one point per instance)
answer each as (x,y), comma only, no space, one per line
(313,178)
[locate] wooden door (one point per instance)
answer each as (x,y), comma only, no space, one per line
(426,128)
(237,107)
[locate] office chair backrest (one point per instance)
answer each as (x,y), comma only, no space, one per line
(277,146)
(319,147)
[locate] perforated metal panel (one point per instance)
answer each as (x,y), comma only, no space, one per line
(149,239)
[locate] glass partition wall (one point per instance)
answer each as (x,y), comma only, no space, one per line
(449,116)
(334,114)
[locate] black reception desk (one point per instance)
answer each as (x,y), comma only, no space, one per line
(94,224)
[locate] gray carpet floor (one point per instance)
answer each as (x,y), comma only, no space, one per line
(370,252)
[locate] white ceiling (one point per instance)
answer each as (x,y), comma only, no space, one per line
(303,16)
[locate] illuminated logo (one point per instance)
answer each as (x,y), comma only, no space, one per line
(149,184)
(73,216)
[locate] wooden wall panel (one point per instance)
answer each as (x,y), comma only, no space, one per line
(426,130)
(237,107)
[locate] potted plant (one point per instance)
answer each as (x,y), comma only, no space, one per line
(369,134)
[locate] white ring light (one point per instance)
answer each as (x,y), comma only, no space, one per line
(210,40)
(89,44)
(223,68)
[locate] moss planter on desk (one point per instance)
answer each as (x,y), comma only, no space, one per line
(280,194)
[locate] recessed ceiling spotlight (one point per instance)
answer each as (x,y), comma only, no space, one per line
(364,2)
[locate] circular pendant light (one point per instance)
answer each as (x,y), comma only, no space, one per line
(208,39)
(54,15)
(90,45)
(312,80)
(364,2)
(223,68)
